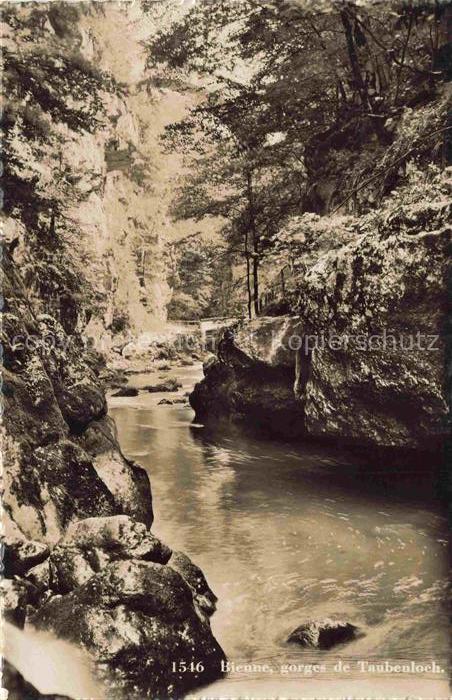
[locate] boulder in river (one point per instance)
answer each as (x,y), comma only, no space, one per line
(126,391)
(323,634)
(186,362)
(362,359)
(138,620)
(261,396)
(168,385)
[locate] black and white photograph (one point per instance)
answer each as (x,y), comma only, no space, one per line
(226,342)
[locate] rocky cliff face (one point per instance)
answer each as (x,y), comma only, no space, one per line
(85,227)
(84,257)
(80,559)
(369,322)
(84,206)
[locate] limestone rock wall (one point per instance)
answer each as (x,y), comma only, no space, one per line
(95,257)
(59,467)
(384,380)
(80,560)
(370,322)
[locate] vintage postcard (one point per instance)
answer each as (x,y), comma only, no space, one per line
(226,344)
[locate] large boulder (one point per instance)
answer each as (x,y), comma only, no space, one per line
(261,396)
(30,407)
(47,487)
(90,545)
(380,303)
(126,480)
(138,620)
(271,340)
(365,350)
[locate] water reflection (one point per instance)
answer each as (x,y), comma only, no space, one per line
(286,533)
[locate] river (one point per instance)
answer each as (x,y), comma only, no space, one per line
(287,532)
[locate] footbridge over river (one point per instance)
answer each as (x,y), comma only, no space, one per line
(210,329)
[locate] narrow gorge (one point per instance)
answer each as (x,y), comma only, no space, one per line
(226,348)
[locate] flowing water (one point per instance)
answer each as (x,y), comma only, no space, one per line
(288,532)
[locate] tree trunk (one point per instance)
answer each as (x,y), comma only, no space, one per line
(248,277)
(256,283)
(354,61)
(254,240)
(283,284)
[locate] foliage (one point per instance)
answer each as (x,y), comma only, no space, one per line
(420,205)
(49,84)
(53,95)
(202,280)
(305,109)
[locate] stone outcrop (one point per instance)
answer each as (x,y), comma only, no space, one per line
(369,319)
(89,545)
(137,619)
(260,396)
(52,404)
(125,479)
(80,560)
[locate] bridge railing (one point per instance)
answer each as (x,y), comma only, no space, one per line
(278,288)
